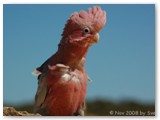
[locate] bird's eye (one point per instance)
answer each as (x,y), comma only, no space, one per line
(86,30)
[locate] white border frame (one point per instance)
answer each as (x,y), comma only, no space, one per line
(157,50)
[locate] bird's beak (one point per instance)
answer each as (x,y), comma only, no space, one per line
(94,39)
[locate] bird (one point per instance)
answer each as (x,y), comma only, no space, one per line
(62,78)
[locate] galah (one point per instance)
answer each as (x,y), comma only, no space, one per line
(62,79)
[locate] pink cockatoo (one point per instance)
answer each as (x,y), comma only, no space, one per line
(62,78)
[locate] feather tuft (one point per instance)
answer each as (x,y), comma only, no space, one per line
(95,19)
(36,73)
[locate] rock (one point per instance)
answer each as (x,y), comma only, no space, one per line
(10,111)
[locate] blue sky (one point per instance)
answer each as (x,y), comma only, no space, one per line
(121,65)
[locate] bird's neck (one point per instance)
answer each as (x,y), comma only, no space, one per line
(72,55)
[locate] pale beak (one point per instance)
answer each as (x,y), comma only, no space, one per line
(96,38)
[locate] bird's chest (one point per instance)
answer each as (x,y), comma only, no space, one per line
(70,82)
(67,93)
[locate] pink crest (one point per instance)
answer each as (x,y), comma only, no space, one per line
(95,19)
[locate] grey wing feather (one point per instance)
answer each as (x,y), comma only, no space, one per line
(80,110)
(41,93)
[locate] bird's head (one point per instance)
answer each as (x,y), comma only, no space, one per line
(83,28)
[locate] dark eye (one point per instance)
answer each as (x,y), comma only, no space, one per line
(86,30)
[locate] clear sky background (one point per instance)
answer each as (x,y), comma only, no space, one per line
(121,65)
